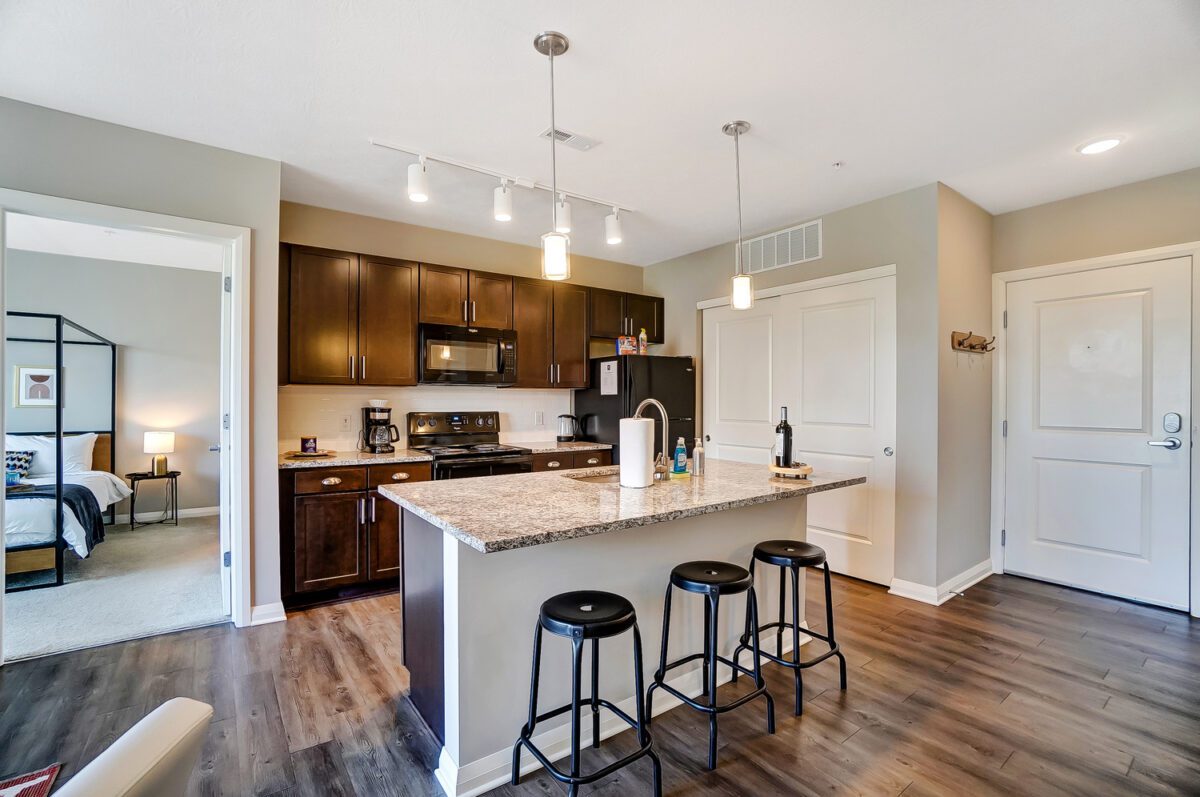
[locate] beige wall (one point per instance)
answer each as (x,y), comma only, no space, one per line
(1158,212)
(49,152)
(900,229)
(964,233)
(166,323)
(333,229)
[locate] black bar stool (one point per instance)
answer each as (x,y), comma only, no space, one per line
(580,616)
(712,580)
(792,555)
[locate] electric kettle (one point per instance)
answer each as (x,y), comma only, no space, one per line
(568,428)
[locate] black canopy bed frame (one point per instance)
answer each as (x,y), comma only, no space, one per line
(38,556)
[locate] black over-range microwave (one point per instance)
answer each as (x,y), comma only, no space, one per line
(467,355)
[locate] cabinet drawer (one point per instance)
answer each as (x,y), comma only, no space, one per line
(401,473)
(592,459)
(331,480)
(556,461)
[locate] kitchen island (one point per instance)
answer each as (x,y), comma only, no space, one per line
(481,555)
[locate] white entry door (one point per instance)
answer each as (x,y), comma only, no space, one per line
(1099,370)
(829,355)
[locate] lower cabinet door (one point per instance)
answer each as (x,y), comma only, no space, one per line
(384,537)
(331,540)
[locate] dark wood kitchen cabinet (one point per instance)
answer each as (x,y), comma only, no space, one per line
(550,319)
(461,297)
(339,537)
(351,319)
(570,335)
(614,314)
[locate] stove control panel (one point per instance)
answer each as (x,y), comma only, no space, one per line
(420,423)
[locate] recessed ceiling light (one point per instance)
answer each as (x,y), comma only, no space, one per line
(1098,146)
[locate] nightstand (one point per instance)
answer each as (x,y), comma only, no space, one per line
(172,496)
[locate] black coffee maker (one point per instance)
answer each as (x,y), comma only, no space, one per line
(378,431)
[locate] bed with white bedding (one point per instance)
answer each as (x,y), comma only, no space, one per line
(31,521)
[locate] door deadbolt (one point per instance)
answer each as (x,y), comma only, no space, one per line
(1172,423)
(888,451)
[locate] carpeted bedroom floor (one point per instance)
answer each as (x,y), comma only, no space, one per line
(136,583)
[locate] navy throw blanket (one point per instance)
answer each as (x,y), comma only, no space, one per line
(82,502)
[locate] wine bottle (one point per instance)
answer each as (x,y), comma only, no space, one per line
(783,441)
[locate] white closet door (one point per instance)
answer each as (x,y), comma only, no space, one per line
(1099,375)
(828,355)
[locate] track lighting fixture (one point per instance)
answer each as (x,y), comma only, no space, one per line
(563,212)
(418,181)
(612,227)
(502,202)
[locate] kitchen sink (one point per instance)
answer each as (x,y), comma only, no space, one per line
(604,478)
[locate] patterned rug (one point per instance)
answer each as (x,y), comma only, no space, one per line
(32,784)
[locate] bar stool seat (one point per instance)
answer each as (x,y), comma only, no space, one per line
(580,616)
(588,614)
(789,553)
(792,556)
(712,580)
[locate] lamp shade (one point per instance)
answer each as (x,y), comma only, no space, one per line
(556,256)
(159,443)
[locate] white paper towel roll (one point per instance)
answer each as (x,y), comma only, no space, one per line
(637,452)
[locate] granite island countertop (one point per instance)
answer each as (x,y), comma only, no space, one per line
(499,513)
(343,458)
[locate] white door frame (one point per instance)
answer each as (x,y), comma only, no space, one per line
(235,441)
(1000,282)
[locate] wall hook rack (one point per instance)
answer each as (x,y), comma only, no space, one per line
(972,343)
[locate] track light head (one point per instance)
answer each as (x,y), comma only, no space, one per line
(502,202)
(612,227)
(418,181)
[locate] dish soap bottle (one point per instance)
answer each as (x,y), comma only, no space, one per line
(642,341)
(698,458)
(680,465)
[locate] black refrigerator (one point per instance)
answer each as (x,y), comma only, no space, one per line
(619,384)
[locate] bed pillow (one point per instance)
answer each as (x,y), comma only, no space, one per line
(18,461)
(77,452)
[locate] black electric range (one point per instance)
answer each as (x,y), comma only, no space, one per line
(465,444)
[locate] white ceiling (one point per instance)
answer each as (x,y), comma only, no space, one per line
(990,98)
(76,239)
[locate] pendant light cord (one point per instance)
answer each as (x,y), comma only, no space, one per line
(553,154)
(737,160)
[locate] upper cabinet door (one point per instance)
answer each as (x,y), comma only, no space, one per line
(443,295)
(490,300)
(533,320)
(608,314)
(323,313)
(645,312)
(570,335)
(387,336)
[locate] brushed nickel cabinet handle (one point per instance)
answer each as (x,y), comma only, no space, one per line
(400,477)
(332,481)
(554,463)
(351,367)
(362,510)
(472,310)
(465,310)
(593,461)
(372,509)
(362,372)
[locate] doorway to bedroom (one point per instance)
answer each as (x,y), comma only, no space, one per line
(116,361)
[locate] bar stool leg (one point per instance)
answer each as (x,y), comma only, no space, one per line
(758,679)
(660,673)
(576,678)
(707,649)
(782,613)
(533,699)
(796,615)
(829,624)
(744,642)
(710,672)
(643,720)
(596,693)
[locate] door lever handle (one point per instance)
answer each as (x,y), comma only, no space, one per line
(1171,443)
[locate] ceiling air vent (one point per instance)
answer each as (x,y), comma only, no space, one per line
(798,244)
(569,139)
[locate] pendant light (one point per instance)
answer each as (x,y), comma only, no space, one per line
(556,246)
(742,290)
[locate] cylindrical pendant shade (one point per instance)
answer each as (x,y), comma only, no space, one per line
(612,229)
(742,295)
(563,221)
(502,203)
(556,256)
(418,183)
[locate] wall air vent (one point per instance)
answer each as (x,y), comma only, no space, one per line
(798,244)
(569,139)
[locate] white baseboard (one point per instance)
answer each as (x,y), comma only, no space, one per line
(491,771)
(147,517)
(267,613)
(936,596)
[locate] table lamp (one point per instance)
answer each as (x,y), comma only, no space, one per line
(159,444)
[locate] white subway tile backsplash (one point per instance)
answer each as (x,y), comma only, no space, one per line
(319,409)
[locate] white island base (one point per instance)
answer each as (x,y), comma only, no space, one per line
(490,607)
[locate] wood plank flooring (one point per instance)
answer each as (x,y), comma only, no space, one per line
(1018,687)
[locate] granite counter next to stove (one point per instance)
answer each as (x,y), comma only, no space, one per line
(555,447)
(341,458)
